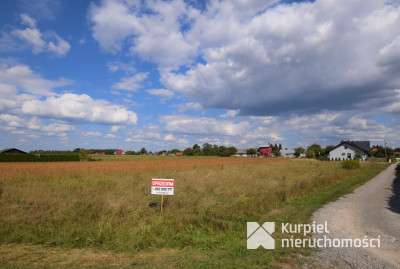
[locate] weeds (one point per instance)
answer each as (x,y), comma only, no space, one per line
(109,207)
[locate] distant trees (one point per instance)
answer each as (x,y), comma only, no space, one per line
(310,154)
(251,151)
(209,150)
(276,152)
(298,151)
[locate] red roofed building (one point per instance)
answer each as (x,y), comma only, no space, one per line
(119,152)
(265,151)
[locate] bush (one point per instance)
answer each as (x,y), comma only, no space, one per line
(16,157)
(350,164)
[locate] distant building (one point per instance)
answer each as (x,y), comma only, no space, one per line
(265,151)
(99,153)
(119,152)
(288,153)
(13,150)
(346,150)
(179,153)
(241,153)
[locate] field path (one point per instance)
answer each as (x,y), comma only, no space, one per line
(372,210)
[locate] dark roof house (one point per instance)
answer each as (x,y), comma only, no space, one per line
(12,150)
(348,149)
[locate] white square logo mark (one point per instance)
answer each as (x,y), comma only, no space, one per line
(258,235)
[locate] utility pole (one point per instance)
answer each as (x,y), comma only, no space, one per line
(386,152)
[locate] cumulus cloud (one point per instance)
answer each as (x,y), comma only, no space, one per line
(18,82)
(132,83)
(60,47)
(163,94)
(155,35)
(32,37)
(80,108)
(262,57)
(202,125)
(299,58)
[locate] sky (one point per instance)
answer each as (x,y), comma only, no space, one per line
(159,74)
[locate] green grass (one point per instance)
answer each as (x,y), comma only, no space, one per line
(89,217)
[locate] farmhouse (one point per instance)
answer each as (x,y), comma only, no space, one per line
(265,151)
(119,152)
(288,153)
(12,150)
(346,150)
(241,153)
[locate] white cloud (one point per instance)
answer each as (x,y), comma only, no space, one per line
(110,136)
(93,134)
(33,37)
(81,108)
(39,42)
(189,106)
(20,78)
(163,94)
(60,47)
(131,83)
(298,58)
(154,36)
(202,125)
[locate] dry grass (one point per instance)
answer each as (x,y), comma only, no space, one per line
(104,206)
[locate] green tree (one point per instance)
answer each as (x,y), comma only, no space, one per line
(276,152)
(83,155)
(208,149)
(251,151)
(232,151)
(226,152)
(310,154)
(188,152)
(298,151)
(143,151)
(215,150)
(174,151)
(329,148)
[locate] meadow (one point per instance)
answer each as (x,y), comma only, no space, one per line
(101,214)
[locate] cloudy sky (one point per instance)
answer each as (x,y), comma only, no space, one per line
(168,74)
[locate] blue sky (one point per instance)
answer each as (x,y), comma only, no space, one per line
(169,74)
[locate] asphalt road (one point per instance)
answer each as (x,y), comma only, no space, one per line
(372,210)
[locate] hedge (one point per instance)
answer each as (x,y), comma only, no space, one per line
(15,157)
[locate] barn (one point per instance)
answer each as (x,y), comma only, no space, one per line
(119,152)
(265,151)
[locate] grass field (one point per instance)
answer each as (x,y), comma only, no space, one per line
(97,214)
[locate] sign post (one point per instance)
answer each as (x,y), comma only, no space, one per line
(162,186)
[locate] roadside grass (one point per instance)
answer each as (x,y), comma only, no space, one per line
(89,217)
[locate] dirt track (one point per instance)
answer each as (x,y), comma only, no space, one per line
(372,210)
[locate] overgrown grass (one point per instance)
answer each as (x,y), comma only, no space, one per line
(202,225)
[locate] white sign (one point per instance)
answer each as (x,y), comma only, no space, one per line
(162,186)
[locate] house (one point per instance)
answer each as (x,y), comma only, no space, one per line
(241,153)
(119,152)
(13,150)
(288,153)
(265,151)
(346,150)
(99,153)
(179,153)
